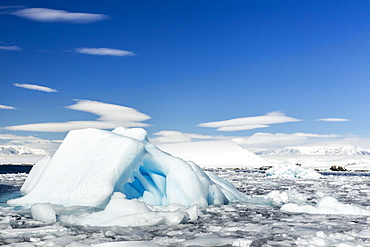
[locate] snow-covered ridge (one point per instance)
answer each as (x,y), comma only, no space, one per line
(214,154)
(20,150)
(320,150)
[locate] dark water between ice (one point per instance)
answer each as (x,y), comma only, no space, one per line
(5,169)
(8,192)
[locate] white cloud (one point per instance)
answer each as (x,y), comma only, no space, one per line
(110,116)
(10,48)
(333,120)
(54,15)
(5,107)
(35,87)
(169,136)
(104,52)
(248,123)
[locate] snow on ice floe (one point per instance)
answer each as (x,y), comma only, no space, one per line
(122,173)
(326,205)
(290,171)
(123,212)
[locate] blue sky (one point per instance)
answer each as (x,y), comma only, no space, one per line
(194,69)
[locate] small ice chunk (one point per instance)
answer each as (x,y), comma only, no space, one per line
(77,244)
(43,212)
(127,243)
(242,243)
(123,212)
(320,239)
(19,232)
(208,240)
(21,245)
(60,241)
(193,213)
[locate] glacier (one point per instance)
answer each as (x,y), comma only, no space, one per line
(123,174)
(215,154)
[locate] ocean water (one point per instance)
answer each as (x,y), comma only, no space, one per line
(6,169)
(236,224)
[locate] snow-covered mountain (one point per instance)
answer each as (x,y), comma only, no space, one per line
(20,150)
(321,150)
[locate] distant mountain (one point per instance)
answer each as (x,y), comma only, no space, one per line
(20,150)
(322,150)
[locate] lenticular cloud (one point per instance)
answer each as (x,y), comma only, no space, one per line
(54,15)
(247,123)
(121,169)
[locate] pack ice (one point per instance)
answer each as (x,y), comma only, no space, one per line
(124,174)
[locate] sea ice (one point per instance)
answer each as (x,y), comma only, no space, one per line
(122,172)
(290,171)
(245,223)
(326,205)
(123,212)
(127,244)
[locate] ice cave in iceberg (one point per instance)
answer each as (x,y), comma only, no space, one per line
(118,170)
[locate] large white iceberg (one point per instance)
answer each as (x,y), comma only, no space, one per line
(91,165)
(225,154)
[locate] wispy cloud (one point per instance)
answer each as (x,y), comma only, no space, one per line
(170,136)
(6,107)
(35,87)
(10,48)
(104,52)
(248,123)
(54,15)
(333,120)
(110,116)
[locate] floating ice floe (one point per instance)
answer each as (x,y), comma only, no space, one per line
(124,174)
(43,212)
(326,205)
(290,171)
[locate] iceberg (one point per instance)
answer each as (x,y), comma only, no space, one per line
(103,169)
(225,154)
